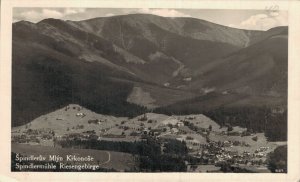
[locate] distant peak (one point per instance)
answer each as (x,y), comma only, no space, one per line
(124,16)
(278,28)
(50,20)
(23,22)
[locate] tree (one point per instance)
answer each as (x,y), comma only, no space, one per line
(277,160)
(255,138)
(230,128)
(210,128)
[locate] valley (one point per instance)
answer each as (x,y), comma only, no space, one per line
(157,93)
(206,142)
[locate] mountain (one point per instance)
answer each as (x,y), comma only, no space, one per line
(259,69)
(245,88)
(118,65)
(182,43)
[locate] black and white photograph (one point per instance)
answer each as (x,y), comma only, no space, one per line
(149,90)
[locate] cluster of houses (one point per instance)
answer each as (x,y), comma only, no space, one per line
(95,121)
(32,136)
(79,136)
(216,153)
(210,152)
(261,152)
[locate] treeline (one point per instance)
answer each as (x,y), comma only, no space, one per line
(45,84)
(175,147)
(151,156)
(255,119)
(277,160)
(228,168)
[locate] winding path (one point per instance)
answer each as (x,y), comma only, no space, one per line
(108,153)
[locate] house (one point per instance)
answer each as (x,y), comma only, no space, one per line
(155,132)
(95,121)
(174,130)
(227,143)
(190,117)
(80,114)
(180,124)
(187,79)
(146,131)
(166,84)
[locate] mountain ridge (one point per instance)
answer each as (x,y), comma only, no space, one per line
(169,59)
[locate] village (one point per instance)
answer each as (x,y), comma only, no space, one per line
(211,145)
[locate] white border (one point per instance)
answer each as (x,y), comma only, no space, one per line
(293,8)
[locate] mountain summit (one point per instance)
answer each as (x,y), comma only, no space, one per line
(117,65)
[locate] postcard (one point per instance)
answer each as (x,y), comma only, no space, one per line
(150,90)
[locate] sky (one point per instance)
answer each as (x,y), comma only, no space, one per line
(243,19)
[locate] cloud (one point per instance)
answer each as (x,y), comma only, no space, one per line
(163,12)
(109,14)
(264,21)
(38,14)
(47,13)
(29,15)
(69,11)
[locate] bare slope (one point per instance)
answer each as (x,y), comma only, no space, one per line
(97,63)
(260,69)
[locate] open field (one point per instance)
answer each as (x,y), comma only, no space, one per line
(64,121)
(261,142)
(76,119)
(140,97)
(203,137)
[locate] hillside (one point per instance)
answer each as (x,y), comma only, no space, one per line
(243,88)
(74,118)
(125,143)
(175,41)
(119,65)
(258,69)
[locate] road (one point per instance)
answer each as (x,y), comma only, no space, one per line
(108,160)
